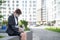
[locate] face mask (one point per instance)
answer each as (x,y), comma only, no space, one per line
(17,15)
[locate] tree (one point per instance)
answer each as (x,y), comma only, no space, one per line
(1,16)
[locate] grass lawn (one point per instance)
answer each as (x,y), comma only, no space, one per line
(52,28)
(2,36)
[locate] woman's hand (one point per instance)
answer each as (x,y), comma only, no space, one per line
(21,29)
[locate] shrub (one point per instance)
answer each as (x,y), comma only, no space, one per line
(25,23)
(1,36)
(4,22)
(55,29)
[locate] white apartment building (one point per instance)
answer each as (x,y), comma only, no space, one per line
(41,11)
(28,8)
(57,12)
(51,9)
(47,11)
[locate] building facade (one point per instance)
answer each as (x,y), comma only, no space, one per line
(57,16)
(28,8)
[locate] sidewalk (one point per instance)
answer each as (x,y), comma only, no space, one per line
(39,33)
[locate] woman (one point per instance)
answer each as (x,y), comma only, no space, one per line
(13,28)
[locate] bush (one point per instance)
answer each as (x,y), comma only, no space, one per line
(25,23)
(55,29)
(1,36)
(4,22)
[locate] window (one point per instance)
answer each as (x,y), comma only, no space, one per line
(59,12)
(13,8)
(17,1)
(22,1)
(25,1)
(29,8)
(4,8)
(30,1)
(30,15)
(4,14)
(4,4)
(25,15)
(23,5)
(29,12)
(8,4)
(9,11)
(8,1)
(13,1)
(9,8)
(8,15)
(34,11)
(58,2)
(34,1)
(4,11)
(34,15)
(30,5)
(54,1)
(34,5)
(55,8)
(25,11)
(12,4)
(26,5)
(25,8)
(17,5)
(34,18)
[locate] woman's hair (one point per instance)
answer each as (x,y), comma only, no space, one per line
(18,11)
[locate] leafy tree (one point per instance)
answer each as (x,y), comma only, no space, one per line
(1,7)
(1,16)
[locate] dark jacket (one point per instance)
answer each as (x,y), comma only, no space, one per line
(11,26)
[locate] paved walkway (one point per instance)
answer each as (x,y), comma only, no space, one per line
(41,34)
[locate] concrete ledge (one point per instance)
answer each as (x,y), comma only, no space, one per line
(2,31)
(10,38)
(29,36)
(3,34)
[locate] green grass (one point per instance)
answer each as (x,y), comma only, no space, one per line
(2,36)
(55,29)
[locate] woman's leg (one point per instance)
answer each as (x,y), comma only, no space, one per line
(23,36)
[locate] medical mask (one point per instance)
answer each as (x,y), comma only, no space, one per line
(17,15)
